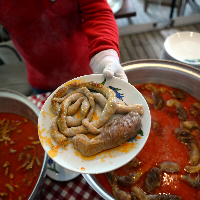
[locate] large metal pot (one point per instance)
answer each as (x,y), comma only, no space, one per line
(173,74)
(16,103)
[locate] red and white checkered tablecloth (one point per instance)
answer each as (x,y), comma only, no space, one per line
(76,189)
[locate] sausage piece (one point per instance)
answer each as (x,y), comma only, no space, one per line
(113,134)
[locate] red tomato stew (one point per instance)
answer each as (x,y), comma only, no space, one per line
(168,167)
(21,156)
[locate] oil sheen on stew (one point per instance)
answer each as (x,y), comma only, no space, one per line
(172,149)
(21,157)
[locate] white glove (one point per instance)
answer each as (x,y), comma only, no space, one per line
(107,63)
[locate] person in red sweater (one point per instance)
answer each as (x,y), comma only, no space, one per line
(63,39)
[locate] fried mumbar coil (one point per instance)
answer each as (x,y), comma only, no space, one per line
(113,134)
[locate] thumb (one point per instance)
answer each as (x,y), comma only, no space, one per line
(114,69)
(109,70)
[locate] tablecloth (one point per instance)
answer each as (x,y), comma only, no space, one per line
(77,188)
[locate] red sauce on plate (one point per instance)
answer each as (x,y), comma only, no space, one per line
(21,157)
(162,145)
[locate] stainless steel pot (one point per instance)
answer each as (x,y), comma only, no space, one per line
(14,102)
(171,73)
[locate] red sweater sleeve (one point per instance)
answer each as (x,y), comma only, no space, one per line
(99,26)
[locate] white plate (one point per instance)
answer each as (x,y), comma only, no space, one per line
(104,161)
(115,5)
(58,173)
(184,47)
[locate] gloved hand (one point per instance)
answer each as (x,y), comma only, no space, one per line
(107,63)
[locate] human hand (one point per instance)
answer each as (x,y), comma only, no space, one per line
(107,63)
